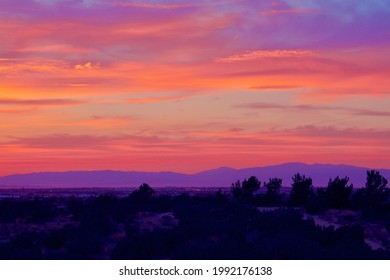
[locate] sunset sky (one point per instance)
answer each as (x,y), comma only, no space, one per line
(188,86)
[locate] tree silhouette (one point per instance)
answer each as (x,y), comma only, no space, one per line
(236,189)
(375,192)
(338,192)
(220,196)
(250,186)
(302,188)
(246,189)
(272,194)
(143,193)
(317,202)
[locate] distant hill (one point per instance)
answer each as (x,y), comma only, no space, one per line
(221,177)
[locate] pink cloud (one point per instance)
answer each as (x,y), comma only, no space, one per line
(276,87)
(156,6)
(175,6)
(153,99)
(329,95)
(55,49)
(254,55)
(86,66)
(40,102)
(17,111)
(311,107)
(274,12)
(100,122)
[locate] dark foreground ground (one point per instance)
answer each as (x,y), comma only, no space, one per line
(203,225)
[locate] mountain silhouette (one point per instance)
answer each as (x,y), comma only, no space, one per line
(220,177)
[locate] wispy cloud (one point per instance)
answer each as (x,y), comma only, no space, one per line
(331,94)
(41,102)
(274,12)
(82,141)
(86,66)
(6,59)
(174,5)
(308,107)
(156,6)
(101,121)
(16,111)
(253,55)
(277,87)
(347,134)
(152,100)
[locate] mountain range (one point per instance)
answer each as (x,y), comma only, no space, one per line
(221,177)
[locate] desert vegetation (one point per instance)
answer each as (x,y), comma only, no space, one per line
(250,220)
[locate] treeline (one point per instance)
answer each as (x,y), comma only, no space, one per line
(217,226)
(338,194)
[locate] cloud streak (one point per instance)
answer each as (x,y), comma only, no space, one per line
(275,12)
(259,54)
(175,6)
(306,107)
(41,102)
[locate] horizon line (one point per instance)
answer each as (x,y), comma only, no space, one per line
(182,173)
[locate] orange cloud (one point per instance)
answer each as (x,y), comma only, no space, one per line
(40,102)
(316,108)
(88,65)
(254,55)
(55,48)
(276,87)
(100,122)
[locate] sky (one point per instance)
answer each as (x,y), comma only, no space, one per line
(191,85)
